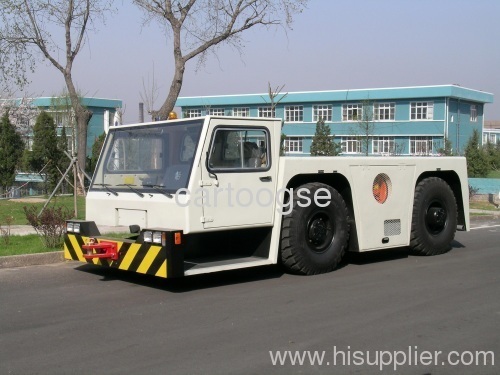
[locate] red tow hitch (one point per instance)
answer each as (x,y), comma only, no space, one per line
(102,250)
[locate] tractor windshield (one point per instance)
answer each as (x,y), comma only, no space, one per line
(153,158)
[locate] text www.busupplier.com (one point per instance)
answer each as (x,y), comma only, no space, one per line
(382,359)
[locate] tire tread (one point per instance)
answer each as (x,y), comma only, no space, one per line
(293,260)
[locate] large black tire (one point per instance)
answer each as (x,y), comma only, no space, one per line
(434,220)
(313,238)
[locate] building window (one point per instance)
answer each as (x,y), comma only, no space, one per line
(193,113)
(294,113)
(420,145)
(323,112)
(351,145)
(383,145)
(293,144)
(352,112)
(383,111)
(473,113)
(216,111)
(62,118)
(28,143)
(422,111)
(493,138)
(241,111)
(267,112)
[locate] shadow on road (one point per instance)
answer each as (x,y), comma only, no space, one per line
(255,274)
(186,284)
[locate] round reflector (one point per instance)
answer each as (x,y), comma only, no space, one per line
(381,188)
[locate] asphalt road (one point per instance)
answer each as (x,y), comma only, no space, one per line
(70,318)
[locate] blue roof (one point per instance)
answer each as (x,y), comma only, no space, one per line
(86,101)
(29,177)
(444,91)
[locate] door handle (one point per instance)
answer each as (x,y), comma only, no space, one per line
(266,178)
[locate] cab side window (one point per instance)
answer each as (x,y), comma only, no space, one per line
(233,149)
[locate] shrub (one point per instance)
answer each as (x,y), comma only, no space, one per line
(5,231)
(50,224)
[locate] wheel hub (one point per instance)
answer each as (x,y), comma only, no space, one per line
(319,232)
(436,219)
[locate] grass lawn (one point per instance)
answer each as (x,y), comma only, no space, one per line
(14,207)
(32,244)
(482,205)
(29,244)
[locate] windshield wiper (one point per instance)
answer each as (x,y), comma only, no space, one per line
(160,189)
(131,187)
(106,186)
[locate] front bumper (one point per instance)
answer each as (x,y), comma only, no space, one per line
(162,260)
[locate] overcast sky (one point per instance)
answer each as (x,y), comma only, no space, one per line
(334,45)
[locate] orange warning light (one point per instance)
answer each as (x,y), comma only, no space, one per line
(381,186)
(177,238)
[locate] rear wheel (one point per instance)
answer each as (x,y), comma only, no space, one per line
(314,238)
(434,220)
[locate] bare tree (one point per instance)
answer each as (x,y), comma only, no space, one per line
(198,26)
(54,30)
(150,94)
(22,112)
(273,94)
(365,126)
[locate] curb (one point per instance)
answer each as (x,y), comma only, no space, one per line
(13,261)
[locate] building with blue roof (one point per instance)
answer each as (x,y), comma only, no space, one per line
(400,120)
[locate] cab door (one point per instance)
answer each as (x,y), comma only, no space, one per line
(239,177)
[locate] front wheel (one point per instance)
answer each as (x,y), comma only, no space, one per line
(434,220)
(315,233)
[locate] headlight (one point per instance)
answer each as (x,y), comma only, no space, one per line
(82,228)
(154,236)
(148,236)
(157,237)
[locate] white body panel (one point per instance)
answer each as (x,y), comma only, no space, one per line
(360,172)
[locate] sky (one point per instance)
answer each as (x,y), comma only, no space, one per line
(333,45)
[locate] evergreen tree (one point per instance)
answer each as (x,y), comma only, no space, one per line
(446,149)
(45,151)
(477,160)
(62,142)
(96,151)
(491,152)
(496,158)
(283,144)
(322,142)
(62,145)
(11,151)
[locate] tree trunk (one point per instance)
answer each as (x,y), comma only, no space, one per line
(175,89)
(82,117)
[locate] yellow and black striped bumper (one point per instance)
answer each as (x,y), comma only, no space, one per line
(145,258)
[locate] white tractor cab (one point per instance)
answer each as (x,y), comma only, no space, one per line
(213,193)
